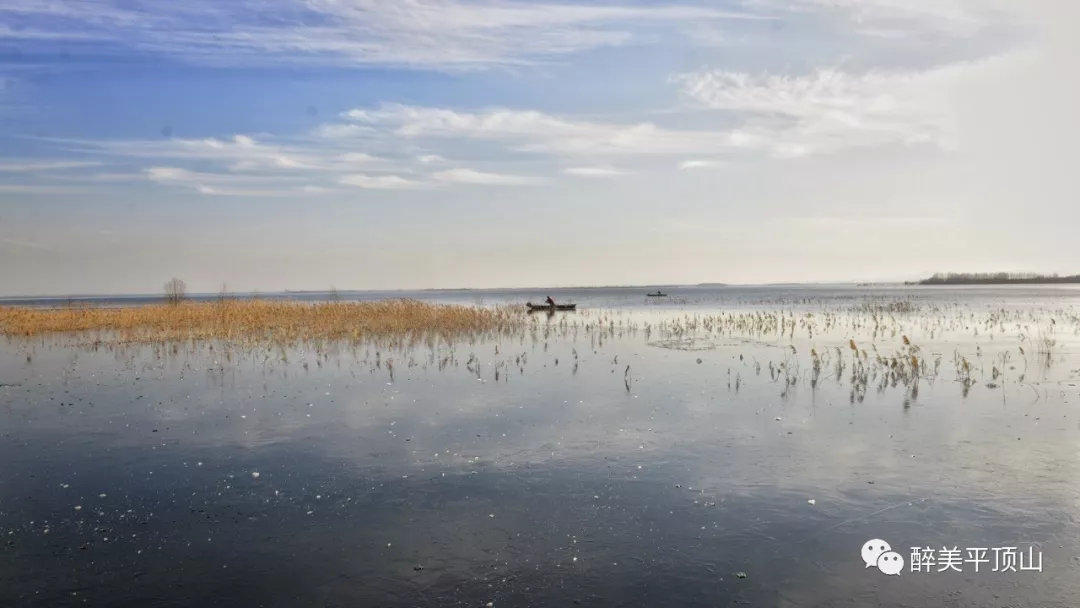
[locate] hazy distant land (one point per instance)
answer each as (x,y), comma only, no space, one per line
(996,278)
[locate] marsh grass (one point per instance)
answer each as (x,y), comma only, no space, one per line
(259,321)
(857,347)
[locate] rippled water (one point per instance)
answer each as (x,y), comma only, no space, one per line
(537,470)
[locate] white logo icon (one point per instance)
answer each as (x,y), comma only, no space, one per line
(872,550)
(890,563)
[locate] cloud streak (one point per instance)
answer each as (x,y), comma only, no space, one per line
(227,184)
(779,115)
(538,132)
(435,34)
(245,165)
(470,176)
(688,165)
(827,110)
(899,19)
(380,182)
(593,171)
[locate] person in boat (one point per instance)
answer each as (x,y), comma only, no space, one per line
(549,301)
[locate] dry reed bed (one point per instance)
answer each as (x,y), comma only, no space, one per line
(258,321)
(836,346)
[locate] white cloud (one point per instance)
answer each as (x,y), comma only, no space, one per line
(316,190)
(470,176)
(168,174)
(249,166)
(342,131)
(445,34)
(358,157)
(786,116)
(532,131)
(904,18)
(244,165)
(244,192)
(268,157)
(379,182)
(827,110)
(413,121)
(396,129)
(687,165)
(181,175)
(220,184)
(243,152)
(593,171)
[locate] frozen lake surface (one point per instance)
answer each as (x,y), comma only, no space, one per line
(724,447)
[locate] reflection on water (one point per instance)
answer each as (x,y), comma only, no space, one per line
(625,457)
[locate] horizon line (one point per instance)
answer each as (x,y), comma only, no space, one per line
(55,296)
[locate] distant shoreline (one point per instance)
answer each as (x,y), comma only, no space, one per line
(1000,278)
(937,280)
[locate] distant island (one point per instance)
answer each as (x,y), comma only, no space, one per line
(712,285)
(995,278)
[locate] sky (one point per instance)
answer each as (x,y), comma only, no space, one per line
(378,144)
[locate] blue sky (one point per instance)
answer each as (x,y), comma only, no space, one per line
(273,144)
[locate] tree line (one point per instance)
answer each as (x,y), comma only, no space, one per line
(995,278)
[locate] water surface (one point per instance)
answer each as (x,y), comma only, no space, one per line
(536,469)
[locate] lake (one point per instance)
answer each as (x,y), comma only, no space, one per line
(722,446)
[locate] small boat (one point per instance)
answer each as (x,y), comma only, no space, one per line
(656,295)
(532,306)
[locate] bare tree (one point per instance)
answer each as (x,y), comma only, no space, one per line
(175,290)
